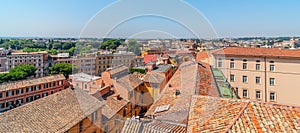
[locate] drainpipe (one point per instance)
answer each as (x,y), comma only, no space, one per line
(265,58)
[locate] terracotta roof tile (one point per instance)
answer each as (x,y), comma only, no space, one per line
(30,82)
(210,114)
(55,113)
(258,52)
(184,80)
(152,126)
(202,55)
(206,84)
(154,77)
(130,82)
(149,58)
(118,69)
(113,104)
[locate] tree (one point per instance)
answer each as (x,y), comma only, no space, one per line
(29,70)
(63,68)
(110,44)
(139,70)
(52,52)
(134,46)
(4,77)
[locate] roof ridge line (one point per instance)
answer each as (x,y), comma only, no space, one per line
(237,117)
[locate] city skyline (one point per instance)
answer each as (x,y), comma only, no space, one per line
(228,18)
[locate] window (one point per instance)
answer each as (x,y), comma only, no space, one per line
(258,94)
(272,96)
(244,65)
(232,65)
(232,78)
(244,60)
(271,61)
(94,116)
(257,67)
(124,112)
(245,93)
(272,68)
(45,85)
(19,91)
(116,120)
(0,94)
(45,94)
(37,87)
(257,60)
(9,93)
(1,105)
(19,101)
(81,126)
(52,84)
(85,86)
(29,99)
(131,94)
(219,64)
(272,81)
(245,79)
(237,91)
(29,89)
(9,104)
(59,82)
(37,97)
(257,80)
(231,59)
(106,129)
(51,92)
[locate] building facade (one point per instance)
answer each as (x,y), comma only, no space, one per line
(104,61)
(37,59)
(264,74)
(21,92)
(86,64)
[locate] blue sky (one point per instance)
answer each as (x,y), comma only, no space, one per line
(229,18)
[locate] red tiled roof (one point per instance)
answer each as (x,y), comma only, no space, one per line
(209,114)
(130,82)
(202,55)
(112,104)
(30,82)
(152,126)
(55,113)
(258,52)
(184,80)
(150,58)
(154,77)
(206,84)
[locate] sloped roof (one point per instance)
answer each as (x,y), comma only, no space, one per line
(211,114)
(202,55)
(258,52)
(152,126)
(206,84)
(184,80)
(154,77)
(30,82)
(118,69)
(162,68)
(112,105)
(55,113)
(130,82)
(84,77)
